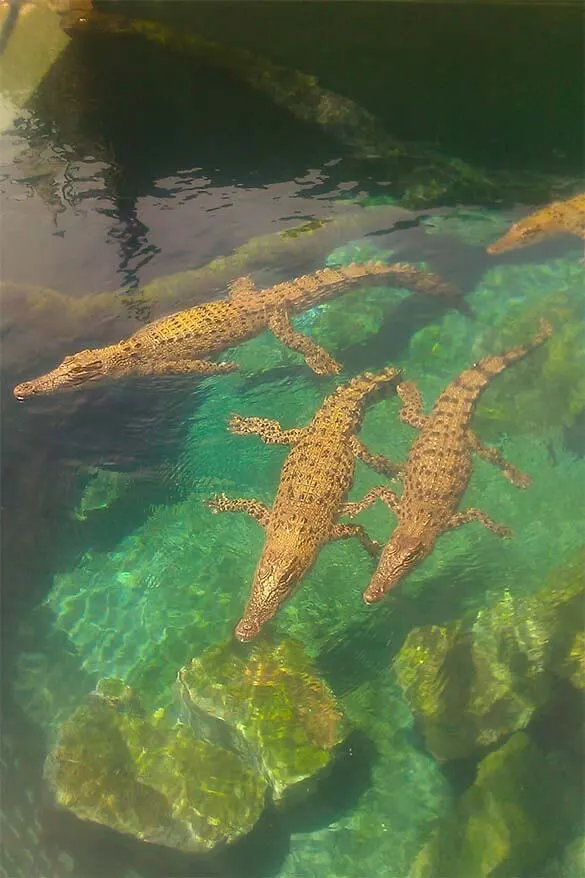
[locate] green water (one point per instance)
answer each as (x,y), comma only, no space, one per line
(156,163)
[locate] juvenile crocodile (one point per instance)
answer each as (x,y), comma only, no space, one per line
(314,481)
(438,469)
(560,217)
(183,341)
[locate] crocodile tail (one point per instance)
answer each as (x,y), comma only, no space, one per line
(310,289)
(476,379)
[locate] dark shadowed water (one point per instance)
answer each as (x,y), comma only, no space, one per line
(130,165)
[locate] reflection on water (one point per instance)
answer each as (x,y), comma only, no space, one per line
(433,733)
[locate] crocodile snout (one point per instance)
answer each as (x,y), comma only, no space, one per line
(24,390)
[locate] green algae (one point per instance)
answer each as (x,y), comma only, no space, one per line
(283,716)
(502,825)
(474,681)
(115,765)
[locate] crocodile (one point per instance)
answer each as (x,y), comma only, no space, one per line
(438,470)
(560,217)
(315,478)
(183,341)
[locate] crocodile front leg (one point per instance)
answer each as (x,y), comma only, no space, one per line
(315,356)
(269,431)
(179,367)
(492,455)
(380,492)
(255,508)
(473,514)
(377,462)
(412,404)
(343,531)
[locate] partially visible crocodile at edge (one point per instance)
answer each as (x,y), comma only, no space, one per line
(183,342)
(438,469)
(560,217)
(314,481)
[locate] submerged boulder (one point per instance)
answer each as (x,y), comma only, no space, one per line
(270,705)
(138,774)
(503,824)
(474,681)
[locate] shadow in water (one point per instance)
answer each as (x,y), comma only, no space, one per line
(339,791)
(370,645)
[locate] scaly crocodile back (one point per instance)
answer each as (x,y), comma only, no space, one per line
(318,472)
(439,464)
(210,327)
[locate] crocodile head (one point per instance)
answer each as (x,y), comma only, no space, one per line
(72,372)
(402,554)
(277,577)
(525,232)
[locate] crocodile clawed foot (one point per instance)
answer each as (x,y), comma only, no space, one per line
(520,480)
(237,425)
(227,366)
(217,504)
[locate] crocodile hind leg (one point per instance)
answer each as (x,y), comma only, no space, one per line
(269,431)
(412,404)
(179,367)
(473,514)
(343,531)
(255,508)
(315,356)
(492,455)
(380,492)
(377,462)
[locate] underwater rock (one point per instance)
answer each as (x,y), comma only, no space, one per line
(503,824)
(272,706)
(114,765)
(474,681)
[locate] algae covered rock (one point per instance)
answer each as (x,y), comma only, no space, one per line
(272,707)
(137,774)
(474,681)
(503,824)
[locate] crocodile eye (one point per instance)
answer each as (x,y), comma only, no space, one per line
(86,367)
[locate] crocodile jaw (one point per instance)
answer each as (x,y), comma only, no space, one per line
(402,554)
(75,371)
(277,578)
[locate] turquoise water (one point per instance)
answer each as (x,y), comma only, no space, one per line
(463,687)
